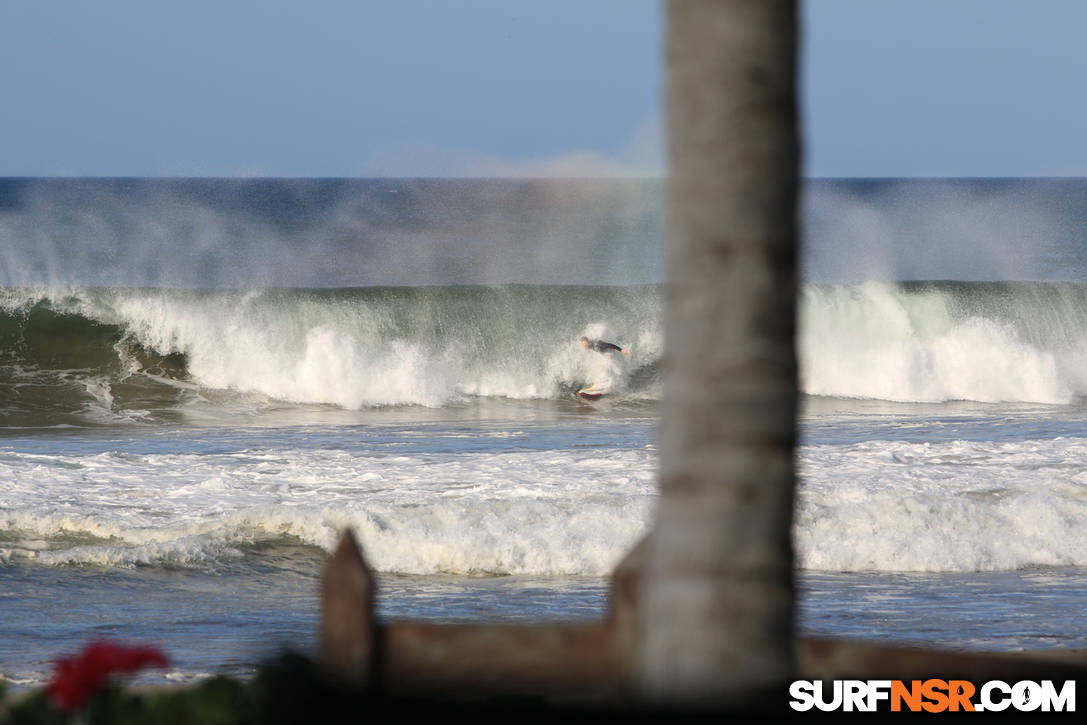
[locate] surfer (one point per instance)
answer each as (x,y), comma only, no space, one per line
(601,346)
(592,392)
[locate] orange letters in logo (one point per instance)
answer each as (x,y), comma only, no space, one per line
(932,695)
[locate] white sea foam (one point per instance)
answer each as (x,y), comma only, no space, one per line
(951,506)
(879,341)
(518,512)
(368,348)
(372,348)
(875,505)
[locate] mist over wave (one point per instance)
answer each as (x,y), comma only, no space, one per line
(892,230)
(323,233)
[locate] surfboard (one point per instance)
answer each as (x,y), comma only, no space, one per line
(585,395)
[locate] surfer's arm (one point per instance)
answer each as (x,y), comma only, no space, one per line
(601,346)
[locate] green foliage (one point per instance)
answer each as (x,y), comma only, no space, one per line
(217,701)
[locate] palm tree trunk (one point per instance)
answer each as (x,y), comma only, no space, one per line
(718,604)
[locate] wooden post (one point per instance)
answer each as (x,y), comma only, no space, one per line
(624,614)
(583,661)
(348,628)
(582,665)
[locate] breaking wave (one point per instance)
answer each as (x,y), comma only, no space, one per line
(112,352)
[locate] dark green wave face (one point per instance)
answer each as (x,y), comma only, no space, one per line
(56,366)
(72,356)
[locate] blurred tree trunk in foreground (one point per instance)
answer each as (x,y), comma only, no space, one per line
(718,608)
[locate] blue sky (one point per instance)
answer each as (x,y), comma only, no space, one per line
(515,88)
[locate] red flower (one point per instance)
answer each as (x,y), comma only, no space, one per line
(76,679)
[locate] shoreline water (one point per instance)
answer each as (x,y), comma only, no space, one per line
(260,617)
(253,597)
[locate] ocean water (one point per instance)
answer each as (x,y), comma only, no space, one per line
(204,382)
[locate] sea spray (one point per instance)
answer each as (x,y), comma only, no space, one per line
(258,233)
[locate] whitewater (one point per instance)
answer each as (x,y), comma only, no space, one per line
(435,346)
(352,348)
(204,382)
